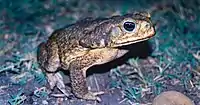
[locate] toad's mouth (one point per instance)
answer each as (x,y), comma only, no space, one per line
(132,42)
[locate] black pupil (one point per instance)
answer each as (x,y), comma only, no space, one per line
(129,26)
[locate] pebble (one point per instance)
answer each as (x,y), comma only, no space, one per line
(172,98)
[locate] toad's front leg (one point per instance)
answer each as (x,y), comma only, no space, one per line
(78,79)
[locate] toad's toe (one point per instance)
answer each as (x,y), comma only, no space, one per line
(93,96)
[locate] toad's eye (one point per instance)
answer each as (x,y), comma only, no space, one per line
(129,26)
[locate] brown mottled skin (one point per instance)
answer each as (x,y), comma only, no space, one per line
(90,42)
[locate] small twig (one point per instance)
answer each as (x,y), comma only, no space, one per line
(122,100)
(97,85)
(3,87)
(58,95)
(195,71)
(197,55)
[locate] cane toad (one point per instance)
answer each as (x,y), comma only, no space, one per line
(90,42)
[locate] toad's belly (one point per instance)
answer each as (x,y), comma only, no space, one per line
(105,55)
(97,56)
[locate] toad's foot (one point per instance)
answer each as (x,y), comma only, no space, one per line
(92,96)
(57,80)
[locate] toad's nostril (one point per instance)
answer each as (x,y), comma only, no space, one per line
(147,26)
